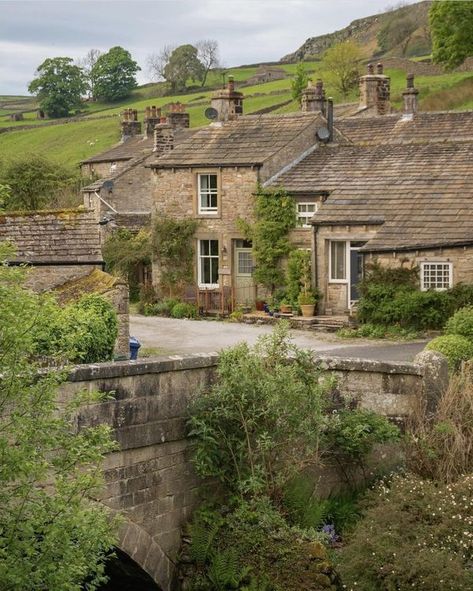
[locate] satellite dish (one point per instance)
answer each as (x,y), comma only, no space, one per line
(211,113)
(323,134)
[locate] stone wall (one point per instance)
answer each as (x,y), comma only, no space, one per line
(150,478)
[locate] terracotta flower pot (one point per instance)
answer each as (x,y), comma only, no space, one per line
(286,309)
(259,305)
(307,310)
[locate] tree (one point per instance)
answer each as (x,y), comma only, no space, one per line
(35,182)
(207,53)
(183,64)
(299,82)
(342,62)
(451,26)
(59,86)
(51,535)
(87,63)
(157,62)
(113,75)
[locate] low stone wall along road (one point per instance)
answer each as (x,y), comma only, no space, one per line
(167,336)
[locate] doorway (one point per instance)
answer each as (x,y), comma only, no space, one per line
(355,272)
(243,265)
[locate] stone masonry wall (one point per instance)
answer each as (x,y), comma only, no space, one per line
(150,478)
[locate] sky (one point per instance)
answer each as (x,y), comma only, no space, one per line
(247,31)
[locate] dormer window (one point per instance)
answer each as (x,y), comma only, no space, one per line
(207,193)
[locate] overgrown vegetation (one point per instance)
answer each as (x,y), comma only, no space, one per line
(269,417)
(41,526)
(275,216)
(173,249)
(451,24)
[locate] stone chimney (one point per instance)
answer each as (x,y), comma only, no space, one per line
(228,102)
(375,90)
(313,97)
(163,137)
(177,116)
(130,124)
(152,118)
(410,97)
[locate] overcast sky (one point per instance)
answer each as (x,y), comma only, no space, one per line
(248,31)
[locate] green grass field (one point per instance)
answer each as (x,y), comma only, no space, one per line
(72,142)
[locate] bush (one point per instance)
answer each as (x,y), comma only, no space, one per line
(415,534)
(183,310)
(461,323)
(461,295)
(455,347)
(162,308)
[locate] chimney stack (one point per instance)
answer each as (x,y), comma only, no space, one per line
(130,124)
(163,137)
(176,115)
(375,90)
(152,116)
(410,97)
(313,98)
(228,102)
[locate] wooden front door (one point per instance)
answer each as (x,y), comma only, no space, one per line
(243,265)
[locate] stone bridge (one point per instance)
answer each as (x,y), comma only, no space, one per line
(150,479)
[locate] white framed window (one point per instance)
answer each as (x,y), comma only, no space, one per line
(305,212)
(338,261)
(244,262)
(436,276)
(208,263)
(207,187)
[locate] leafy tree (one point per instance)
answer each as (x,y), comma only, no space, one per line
(299,82)
(207,53)
(342,62)
(451,26)
(35,182)
(113,75)
(59,86)
(51,535)
(183,64)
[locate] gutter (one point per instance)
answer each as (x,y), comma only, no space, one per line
(56,263)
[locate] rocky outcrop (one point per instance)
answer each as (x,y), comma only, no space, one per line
(364,31)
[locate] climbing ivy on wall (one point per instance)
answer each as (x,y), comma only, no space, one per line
(173,250)
(275,216)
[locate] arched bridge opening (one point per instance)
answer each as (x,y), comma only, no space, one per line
(124,574)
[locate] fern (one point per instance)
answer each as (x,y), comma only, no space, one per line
(224,571)
(257,584)
(304,508)
(202,537)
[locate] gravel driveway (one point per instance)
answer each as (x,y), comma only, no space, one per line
(173,337)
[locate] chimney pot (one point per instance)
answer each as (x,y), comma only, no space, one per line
(410,80)
(409,96)
(163,138)
(231,84)
(370,69)
(379,68)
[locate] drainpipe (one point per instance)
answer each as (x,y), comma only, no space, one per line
(330,118)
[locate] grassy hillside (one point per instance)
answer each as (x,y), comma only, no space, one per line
(99,127)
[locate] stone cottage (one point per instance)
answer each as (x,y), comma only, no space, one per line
(399,190)
(63,253)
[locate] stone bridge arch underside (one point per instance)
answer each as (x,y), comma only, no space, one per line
(149,479)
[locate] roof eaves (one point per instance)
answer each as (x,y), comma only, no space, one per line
(418,246)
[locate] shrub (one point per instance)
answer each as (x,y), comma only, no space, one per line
(162,308)
(461,295)
(415,534)
(461,323)
(183,310)
(440,445)
(455,347)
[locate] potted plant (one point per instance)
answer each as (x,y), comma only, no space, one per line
(285,307)
(307,301)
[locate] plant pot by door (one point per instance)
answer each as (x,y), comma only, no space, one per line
(286,309)
(307,310)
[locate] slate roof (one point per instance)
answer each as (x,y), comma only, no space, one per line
(417,187)
(53,237)
(250,140)
(132,148)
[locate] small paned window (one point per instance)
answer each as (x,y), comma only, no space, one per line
(437,276)
(338,261)
(305,212)
(208,263)
(245,262)
(208,193)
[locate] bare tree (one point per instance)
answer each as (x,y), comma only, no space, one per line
(207,52)
(157,62)
(87,63)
